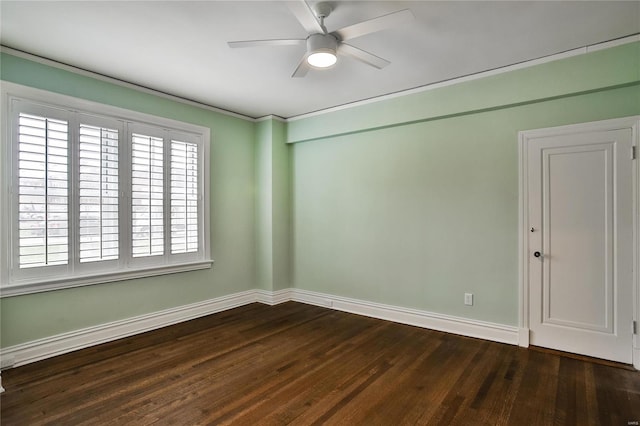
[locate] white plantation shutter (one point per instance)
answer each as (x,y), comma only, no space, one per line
(147,195)
(184,197)
(98,190)
(98,195)
(43,204)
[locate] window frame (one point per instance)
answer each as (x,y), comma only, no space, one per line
(104,265)
(15,281)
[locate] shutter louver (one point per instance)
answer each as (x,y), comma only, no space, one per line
(98,163)
(184,197)
(147,186)
(43,206)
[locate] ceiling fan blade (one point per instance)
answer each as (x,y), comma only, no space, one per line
(375,24)
(362,56)
(305,16)
(302,69)
(256,43)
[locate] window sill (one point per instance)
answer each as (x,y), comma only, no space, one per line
(40,286)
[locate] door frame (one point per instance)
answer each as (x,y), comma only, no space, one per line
(524,137)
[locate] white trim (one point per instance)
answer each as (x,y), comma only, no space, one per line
(523,337)
(523,265)
(425,319)
(482,74)
(6,165)
(270,117)
(25,353)
(613,43)
(524,136)
(592,126)
(36,350)
(636,243)
(48,347)
(72,103)
(274,297)
(80,71)
(107,277)
(475,76)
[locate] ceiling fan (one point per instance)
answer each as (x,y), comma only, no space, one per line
(323,46)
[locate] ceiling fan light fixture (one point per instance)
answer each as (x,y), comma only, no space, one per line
(323,59)
(323,46)
(321,50)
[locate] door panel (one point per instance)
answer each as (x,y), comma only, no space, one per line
(580,206)
(577,212)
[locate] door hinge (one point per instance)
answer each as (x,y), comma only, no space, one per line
(633,152)
(634,327)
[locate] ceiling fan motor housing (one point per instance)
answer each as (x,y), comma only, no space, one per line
(322,43)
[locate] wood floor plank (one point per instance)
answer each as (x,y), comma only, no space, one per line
(303,365)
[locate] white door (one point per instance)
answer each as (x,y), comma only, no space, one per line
(580,243)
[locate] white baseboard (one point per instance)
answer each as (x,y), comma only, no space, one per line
(35,350)
(434,321)
(636,358)
(523,337)
(273,297)
(48,347)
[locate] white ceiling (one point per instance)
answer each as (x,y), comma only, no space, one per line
(179,47)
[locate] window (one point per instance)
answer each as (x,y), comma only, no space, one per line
(184,197)
(98,194)
(43,193)
(147,195)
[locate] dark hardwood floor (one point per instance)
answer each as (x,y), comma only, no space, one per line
(306,365)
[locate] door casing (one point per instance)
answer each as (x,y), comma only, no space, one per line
(632,123)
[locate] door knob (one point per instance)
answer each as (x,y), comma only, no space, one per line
(537,254)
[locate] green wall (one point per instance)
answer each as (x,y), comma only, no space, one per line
(410,201)
(24,318)
(272,205)
(414,210)
(602,69)
(264,204)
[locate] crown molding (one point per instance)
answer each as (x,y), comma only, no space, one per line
(475,76)
(444,83)
(123,83)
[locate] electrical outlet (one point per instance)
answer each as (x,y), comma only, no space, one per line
(468,299)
